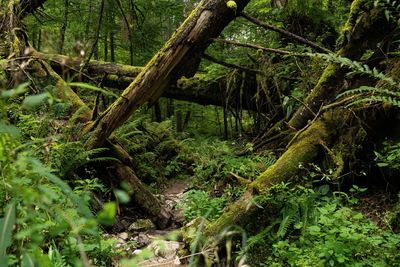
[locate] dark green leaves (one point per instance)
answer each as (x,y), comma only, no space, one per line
(6,228)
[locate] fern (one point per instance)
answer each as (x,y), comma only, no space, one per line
(391,9)
(356,67)
(290,214)
(366,96)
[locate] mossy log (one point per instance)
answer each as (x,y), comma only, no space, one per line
(198,89)
(366,27)
(179,57)
(159,215)
(307,147)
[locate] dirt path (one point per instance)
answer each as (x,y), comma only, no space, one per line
(161,243)
(166,251)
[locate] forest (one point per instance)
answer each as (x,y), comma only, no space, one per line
(199,133)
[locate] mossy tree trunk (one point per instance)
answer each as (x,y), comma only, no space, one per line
(198,89)
(305,149)
(366,27)
(179,57)
(43,74)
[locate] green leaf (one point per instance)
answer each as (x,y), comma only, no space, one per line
(6,228)
(122,196)
(9,129)
(92,88)
(33,101)
(107,214)
(28,261)
(20,89)
(39,168)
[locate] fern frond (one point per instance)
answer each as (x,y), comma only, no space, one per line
(356,67)
(290,214)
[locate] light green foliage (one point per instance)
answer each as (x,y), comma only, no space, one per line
(356,67)
(316,229)
(232,5)
(215,161)
(387,91)
(51,223)
(197,203)
(48,212)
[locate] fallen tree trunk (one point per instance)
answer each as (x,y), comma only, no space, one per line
(306,148)
(123,171)
(179,57)
(198,89)
(327,132)
(41,74)
(366,27)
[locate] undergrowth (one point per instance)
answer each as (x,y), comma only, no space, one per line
(317,227)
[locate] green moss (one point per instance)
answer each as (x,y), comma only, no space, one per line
(303,150)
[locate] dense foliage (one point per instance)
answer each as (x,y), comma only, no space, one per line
(64,204)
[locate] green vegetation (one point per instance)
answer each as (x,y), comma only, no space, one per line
(273,154)
(317,227)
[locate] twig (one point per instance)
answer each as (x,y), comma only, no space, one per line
(231,65)
(254,46)
(305,105)
(286,33)
(241,180)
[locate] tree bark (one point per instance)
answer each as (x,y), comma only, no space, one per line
(64,27)
(42,73)
(306,148)
(180,56)
(365,28)
(197,89)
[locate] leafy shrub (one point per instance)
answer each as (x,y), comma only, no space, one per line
(49,224)
(315,229)
(216,160)
(389,156)
(197,203)
(340,237)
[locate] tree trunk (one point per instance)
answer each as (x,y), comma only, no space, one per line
(112,47)
(64,27)
(180,56)
(365,28)
(306,148)
(160,216)
(197,89)
(42,73)
(328,130)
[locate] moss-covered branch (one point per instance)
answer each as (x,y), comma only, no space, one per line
(365,28)
(306,149)
(179,57)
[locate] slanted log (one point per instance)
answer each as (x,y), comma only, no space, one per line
(179,57)
(365,28)
(197,89)
(307,147)
(43,73)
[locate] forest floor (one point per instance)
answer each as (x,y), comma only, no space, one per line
(155,247)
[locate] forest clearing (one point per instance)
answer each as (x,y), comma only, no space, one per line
(199,133)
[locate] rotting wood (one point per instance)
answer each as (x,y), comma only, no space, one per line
(179,57)
(366,27)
